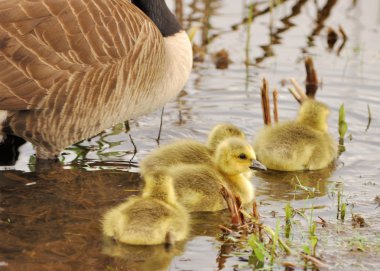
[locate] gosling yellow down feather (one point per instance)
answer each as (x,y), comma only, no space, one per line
(222,131)
(198,185)
(303,144)
(189,151)
(154,218)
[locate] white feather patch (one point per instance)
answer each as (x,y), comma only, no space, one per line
(175,68)
(3,117)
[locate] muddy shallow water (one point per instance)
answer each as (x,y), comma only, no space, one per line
(49,214)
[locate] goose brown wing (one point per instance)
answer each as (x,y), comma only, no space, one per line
(44,43)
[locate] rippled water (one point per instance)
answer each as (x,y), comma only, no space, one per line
(50,213)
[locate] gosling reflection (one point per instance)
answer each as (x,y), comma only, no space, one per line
(282,185)
(142,258)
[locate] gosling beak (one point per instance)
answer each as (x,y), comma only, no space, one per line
(257,165)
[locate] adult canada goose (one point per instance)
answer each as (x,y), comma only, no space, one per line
(189,151)
(303,144)
(198,185)
(72,68)
(154,218)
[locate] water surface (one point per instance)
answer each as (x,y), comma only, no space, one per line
(50,214)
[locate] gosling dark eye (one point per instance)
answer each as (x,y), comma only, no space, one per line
(242,156)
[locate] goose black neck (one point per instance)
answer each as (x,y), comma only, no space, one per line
(159,13)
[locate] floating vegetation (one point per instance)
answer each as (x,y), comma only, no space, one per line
(221,59)
(358,221)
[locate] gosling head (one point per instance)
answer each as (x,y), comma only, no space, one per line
(159,185)
(235,156)
(221,132)
(314,114)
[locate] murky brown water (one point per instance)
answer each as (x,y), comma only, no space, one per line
(49,215)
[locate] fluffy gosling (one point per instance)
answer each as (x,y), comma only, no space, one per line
(198,185)
(222,131)
(303,144)
(154,218)
(188,151)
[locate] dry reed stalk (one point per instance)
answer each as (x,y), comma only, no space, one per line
(311,78)
(344,36)
(225,229)
(206,23)
(275,105)
(160,130)
(318,263)
(299,90)
(233,206)
(289,265)
(255,211)
(265,102)
(343,33)
(295,95)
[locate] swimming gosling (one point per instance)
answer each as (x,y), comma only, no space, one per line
(222,131)
(303,144)
(198,185)
(154,218)
(189,151)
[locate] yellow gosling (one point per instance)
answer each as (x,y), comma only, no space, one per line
(303,144)
(154,218)
(189,151)
(198,185)
(222,131)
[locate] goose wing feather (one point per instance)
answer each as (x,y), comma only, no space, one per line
(46,43)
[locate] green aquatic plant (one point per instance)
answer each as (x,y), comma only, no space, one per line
(258,248)
(310,190)
(342,128)
(289,214)
(341,207)
(342,122)
(275,239)
(248,40)
(343,211)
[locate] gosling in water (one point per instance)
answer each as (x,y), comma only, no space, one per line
(198,185)
(188,151)
(303,144)
(223,131)
(154,218)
